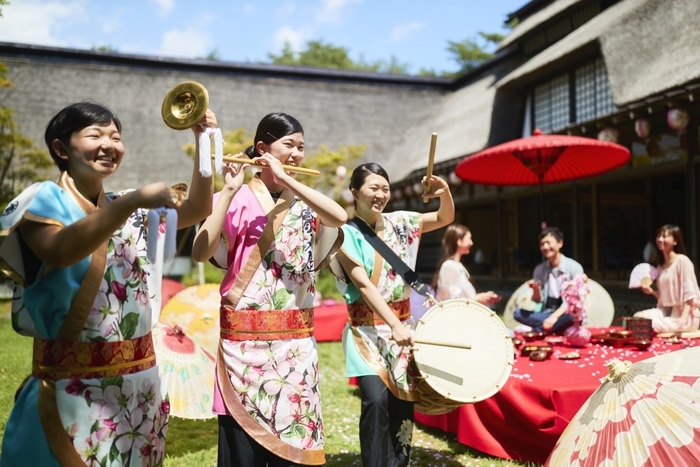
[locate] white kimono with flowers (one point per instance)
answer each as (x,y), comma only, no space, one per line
(276,394)
(113,421)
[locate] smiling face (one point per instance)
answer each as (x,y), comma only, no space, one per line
(465,244)
(289,150)
(550,246)
(665,242)
(94,152)
(372,197)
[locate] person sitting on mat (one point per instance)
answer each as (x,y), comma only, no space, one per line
(550,312)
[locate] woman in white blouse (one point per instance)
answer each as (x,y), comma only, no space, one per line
(452,278)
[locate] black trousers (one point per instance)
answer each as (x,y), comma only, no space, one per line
(386,425)
(238,449)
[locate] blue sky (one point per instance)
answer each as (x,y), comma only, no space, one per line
(416,32)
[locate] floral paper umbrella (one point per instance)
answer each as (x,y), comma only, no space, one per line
(196,310)
(187,371)
(643,414)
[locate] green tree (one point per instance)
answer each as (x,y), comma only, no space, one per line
(472,52)
(213,55)
(104,48)
(319,54)
(327,161)
(235,142)
(21,162)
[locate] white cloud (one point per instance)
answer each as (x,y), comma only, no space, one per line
(287,9)
(190,43)
(33,22)
(403,31)
(295,37)
(164,6)
(330,10)
(193,41)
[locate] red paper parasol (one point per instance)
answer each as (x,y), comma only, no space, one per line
(542,159)
(187,371)
(643,414)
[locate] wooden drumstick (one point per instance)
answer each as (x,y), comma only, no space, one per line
(289,168)
(431,160)
(443,344)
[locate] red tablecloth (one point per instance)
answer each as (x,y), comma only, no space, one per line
(524,420)
(329,321)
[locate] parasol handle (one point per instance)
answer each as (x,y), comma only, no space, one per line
(431,161)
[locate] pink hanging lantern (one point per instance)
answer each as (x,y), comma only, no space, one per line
(609,134)
(396,194)
(677,118)
(454,179)
(408,190)
(642,127)
(417,188)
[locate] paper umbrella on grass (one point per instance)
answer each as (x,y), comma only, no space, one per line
(187,371)
(196,310)
(644,414)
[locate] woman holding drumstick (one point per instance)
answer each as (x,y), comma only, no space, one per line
(267,395)
(377,338)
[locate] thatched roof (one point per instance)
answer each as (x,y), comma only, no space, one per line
(464,121)
(655,48)
(648,47)
(535,20)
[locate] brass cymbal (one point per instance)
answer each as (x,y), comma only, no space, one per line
(185,105)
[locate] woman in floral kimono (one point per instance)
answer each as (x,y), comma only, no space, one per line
(380,323)
(264,233)
(94,396)
(678,295)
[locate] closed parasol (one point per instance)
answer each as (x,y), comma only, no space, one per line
(643,414)
(187,371)
(196,311)
(542,159)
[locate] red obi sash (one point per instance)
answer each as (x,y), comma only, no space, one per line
(265,325)
(362,314)
(54,360)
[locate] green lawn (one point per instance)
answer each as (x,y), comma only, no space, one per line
(193,443)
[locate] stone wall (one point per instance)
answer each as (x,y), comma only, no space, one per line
(333,111)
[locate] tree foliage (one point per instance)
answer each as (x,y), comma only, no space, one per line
(332,181)
(472,52)
(319,54)
(235,142)
(21,162)
(104,48)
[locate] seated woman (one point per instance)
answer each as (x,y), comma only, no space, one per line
(452,279)
(678,295)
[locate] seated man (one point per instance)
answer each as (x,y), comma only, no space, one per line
(550,312)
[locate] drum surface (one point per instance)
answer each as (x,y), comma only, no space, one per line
(454,376)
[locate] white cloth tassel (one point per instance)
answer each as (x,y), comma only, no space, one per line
(170,235)
(205,151)
(218,151)
(153,224)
